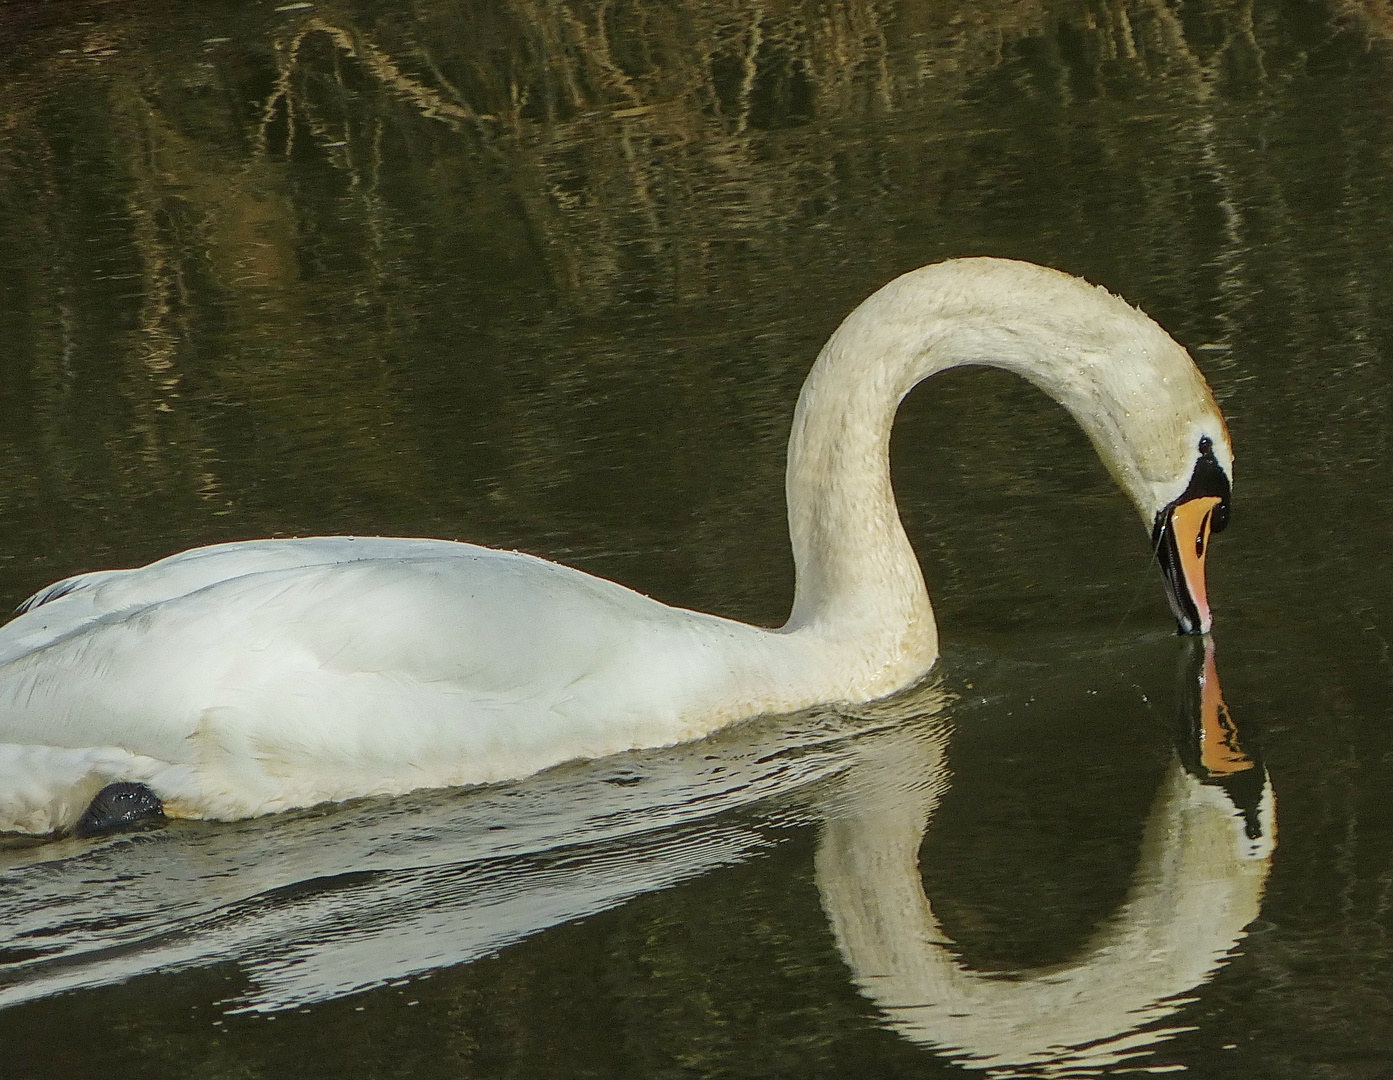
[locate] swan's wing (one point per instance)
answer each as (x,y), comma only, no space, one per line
(74,602)
(66,587)
(476,618)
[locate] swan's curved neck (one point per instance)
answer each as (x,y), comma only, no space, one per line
(1114,369)
(855,568)
(856,571)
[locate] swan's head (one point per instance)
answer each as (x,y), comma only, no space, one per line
(1154,422)
(1180,537)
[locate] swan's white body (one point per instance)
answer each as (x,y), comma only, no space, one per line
(247,678)
(252,677)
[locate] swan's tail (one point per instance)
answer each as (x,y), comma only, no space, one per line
(45,789)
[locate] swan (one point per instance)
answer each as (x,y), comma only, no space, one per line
(1205,857)
(247,678)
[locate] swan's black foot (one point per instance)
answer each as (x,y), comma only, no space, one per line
(123,807)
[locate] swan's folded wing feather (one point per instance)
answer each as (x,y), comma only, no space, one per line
(66,606)
(69,585)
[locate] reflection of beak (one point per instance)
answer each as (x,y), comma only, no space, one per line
(1220,753)
(1208,742)
(1181,542)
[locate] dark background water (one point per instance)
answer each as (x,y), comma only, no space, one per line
(548,276)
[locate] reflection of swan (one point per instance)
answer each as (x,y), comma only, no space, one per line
(248,678)
(313,906)
(1204,861)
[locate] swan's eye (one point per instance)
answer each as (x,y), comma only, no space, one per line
(1219,517)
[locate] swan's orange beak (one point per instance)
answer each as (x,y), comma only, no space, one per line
(1181,543)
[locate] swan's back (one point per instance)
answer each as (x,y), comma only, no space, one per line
(74,602)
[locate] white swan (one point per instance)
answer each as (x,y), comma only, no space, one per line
(246,678)
(1205,856)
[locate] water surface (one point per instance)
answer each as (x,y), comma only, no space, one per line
(549,277)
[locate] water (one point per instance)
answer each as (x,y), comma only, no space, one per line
(549,277)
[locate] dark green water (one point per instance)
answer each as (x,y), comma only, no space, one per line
(549,276)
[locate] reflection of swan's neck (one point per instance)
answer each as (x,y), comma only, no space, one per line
(1133,390)
(1198,883)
